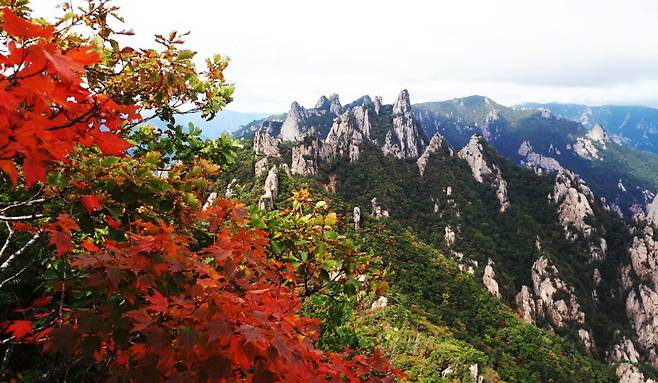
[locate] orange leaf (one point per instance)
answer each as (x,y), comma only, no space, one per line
(18,26)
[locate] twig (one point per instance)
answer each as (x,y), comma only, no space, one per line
(20,251)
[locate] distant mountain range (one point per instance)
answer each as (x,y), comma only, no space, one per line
(632,125)
(226,121)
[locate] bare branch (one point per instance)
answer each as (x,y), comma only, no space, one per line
(20,217)
(22,203)
(20,251)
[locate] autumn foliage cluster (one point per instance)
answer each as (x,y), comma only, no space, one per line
(132,278)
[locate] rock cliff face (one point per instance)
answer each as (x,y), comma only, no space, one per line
(525,305)
(642,310)
(265,144)
(436,143)
(348,133)
(271,190)
(539,163)
(294,125)
(652,212)
(483,172)
(489,279)
(556,300)
(573,198)
(308,155)
(628,373)
(406,139)
(642,299)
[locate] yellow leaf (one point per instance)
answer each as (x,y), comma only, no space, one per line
(330,219)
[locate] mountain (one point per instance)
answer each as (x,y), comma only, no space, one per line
(226,121)
(635,126)
(495,270)
(625,177)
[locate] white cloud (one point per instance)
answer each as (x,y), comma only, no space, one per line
(592,51)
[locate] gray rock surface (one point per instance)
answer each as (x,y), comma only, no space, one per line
(482,171)
(271,190)
(433,147)
(406,138)
(265,144)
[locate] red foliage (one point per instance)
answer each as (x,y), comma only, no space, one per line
(45,106)
(158,305)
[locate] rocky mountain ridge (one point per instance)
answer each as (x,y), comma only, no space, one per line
(577,267)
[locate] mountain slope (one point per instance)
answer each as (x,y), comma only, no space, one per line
(635,126)
(626,178)
(466,235)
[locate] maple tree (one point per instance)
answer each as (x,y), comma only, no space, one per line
(134,279)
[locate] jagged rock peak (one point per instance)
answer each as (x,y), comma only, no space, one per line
(403,103)
(323,103)
(348,133)
(489,279)
(433,147)
(270,189)
(265,144)
(525,305)
(406,139)
(482,171)
(378,104)
(598,133)
(293,126)
(574,199)
(335,106)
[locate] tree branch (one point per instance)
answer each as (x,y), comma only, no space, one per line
(20,251)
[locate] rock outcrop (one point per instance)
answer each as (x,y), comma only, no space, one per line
(556,300)
(538,162)
(483,172)
(623,351)
(573,198)
(271,190)
(652,212)
(357,217)
(406,139)
(265,144)
(376,209)
(294,125)
(348,133)
(378,104)
(433,147)
(308,155)
(489,279)
(642,311)
(628,373)
(260,167)
(525,305)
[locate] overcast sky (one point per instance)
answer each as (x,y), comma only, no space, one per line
(586,51)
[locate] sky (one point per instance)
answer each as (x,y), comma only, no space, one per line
(585,51)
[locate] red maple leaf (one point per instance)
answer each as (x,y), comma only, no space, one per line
(91,203)
(157,301)
(20,328)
